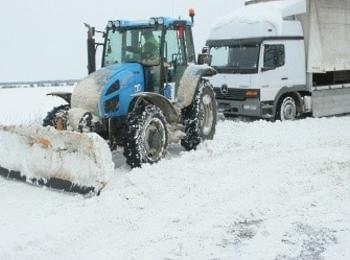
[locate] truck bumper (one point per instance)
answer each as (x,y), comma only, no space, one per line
(251,107)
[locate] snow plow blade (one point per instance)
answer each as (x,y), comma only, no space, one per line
(63,160)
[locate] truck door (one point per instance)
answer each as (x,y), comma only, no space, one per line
(273,74)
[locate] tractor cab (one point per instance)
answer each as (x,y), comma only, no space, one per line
(162,46)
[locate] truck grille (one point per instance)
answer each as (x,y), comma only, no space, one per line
(231,94)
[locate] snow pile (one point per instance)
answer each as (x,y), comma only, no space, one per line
(43,153)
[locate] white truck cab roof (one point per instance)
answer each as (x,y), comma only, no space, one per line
(261,20)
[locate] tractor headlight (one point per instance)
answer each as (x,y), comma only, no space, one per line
(110,24)
(117,23)
(160,21)
(152,21)
(113,24)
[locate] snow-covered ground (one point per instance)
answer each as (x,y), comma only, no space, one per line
(25,105)
(259,190)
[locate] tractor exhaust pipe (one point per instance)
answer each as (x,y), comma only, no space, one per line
(91,49)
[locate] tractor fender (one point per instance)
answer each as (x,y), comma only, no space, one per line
(66,96)
(190,81)
(158,100)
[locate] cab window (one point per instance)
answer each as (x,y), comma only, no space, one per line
(274,56)
(174,50)
(191,57)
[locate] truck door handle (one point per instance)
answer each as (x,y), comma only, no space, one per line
(286,78)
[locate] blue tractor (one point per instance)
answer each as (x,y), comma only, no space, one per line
(149,92)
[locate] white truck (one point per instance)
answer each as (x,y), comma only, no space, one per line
(282,59)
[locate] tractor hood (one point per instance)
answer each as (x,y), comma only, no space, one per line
(88,92)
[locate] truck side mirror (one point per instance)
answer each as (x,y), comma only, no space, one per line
(204,59)
(205,50)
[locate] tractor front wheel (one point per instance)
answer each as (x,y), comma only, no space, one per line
(56,117)
(146,138)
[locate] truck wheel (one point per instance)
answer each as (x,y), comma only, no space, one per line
(146,137)
(200,117)
(51,118)
(287,109)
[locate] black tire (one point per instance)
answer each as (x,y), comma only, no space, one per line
(200,117)
(287,109)
(50,119)
(146,137)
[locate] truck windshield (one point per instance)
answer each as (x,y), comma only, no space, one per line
(140,45)
(236,59)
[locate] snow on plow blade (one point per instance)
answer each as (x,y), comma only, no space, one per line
(61,160)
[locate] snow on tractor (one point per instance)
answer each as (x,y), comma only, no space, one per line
(149,93)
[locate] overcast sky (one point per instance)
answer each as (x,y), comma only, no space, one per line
(45,39)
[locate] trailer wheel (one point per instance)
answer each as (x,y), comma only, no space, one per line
(52,118)
(200,117)
(287,109)
(146,137)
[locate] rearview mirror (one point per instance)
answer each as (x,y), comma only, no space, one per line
(204,59)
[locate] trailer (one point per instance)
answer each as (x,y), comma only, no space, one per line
(281,59)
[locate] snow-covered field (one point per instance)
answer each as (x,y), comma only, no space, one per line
(25,105)
(259,190)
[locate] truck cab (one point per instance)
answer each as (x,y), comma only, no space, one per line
(259,56)
(281,59)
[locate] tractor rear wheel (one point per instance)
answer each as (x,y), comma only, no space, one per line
(146,137)
(200,117)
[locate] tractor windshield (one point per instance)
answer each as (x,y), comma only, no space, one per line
(141,45)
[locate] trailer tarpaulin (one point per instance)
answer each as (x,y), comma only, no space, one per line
(328,35)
